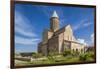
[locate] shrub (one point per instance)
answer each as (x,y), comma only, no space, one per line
(36,55)
(87,56)
(82,57)
(67,52)
(53,54)
(51,58)
(75,53)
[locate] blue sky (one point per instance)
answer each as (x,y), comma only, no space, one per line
(31,20)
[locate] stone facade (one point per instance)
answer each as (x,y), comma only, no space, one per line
(59,40)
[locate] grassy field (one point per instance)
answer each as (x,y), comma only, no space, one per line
(58,59)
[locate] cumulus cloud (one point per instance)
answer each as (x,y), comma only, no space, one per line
(81,41)
(89,43)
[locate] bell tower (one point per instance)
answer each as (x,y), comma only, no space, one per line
(54,22)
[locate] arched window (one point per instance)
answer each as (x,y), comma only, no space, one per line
(76,50)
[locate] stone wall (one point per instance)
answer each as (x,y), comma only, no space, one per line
(68,34)
(47,35)
(54,24)
(61,38)
(77,47)
(42,48)
(53,45)
(39,47)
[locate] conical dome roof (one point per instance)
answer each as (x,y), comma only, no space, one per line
(55,14)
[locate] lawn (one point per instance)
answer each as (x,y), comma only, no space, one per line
(57,59)
(54,60)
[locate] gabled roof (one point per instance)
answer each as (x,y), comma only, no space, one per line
(68,26)
(55,14)
(62,29)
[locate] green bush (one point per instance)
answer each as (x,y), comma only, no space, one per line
(75,53)
(66,53)
(53,54)
(51,58)
(36,55)
(87,56)
(82,57)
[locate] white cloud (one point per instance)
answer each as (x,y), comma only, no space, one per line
(24,32)
(63,22)
(87,24)
(81,41)
(82,24)
(46,11)
(22,25)
(92,37)
(49,11)
(26,41)
(90,42)
(23,28)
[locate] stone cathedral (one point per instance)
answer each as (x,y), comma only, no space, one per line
(58,39)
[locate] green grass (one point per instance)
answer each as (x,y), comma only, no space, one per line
(58,60)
